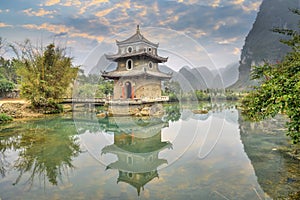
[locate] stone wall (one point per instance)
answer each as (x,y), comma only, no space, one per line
(142,87)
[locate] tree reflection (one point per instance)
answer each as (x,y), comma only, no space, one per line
(172,112)
(45,150)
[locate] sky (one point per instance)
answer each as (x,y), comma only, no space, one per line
(217,27)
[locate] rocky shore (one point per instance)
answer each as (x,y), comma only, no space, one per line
(17,109)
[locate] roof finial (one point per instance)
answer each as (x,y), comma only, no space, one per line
(138,28)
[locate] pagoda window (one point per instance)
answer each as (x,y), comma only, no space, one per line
(150,64)
(149,49)
(129,49)
(129,64)
(129,160)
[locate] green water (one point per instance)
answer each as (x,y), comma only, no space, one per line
(180,155)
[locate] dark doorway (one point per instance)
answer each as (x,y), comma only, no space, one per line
(128,90)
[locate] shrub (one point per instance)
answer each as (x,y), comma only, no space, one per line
(5,118)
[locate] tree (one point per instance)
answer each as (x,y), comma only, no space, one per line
(279,91)
(5,86)
(7,71)
(45,74)
(92,86)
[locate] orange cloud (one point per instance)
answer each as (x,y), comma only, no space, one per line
(237,2)
(63,29)
(236,51)
(69,3)
(215,3)
(87,36)
(40,13)
(228,41)
(104,12)
(49,27)
(252,7)
(86,5)
(2,25)
(52,2)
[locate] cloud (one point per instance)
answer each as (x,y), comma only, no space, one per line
(237,2)
(253,6)
(60,29)
(4,11)
(51,2)
(93,3)
(215,3)
(104,12)
(87,36)
(70,3)
(227,41)
(2,25)
(236,51)
(40,13)
(229,21)
(195,33)
(49,27)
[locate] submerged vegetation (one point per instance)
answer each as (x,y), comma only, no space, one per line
(279,89)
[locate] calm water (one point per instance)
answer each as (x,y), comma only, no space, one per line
(181,155)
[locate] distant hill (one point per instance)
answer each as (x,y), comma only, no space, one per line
(261,44)
(229,75)
(202,78)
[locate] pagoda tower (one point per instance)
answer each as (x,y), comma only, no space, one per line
(137,75)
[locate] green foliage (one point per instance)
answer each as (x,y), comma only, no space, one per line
(7,67)
(279,91)
(5,118)
(45,74)
(8,70)
(6,86)
(93,86)
(172,112)
(173,90)
(105,87)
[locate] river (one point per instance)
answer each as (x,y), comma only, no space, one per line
(180,155)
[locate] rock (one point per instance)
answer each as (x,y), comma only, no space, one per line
(200,111)
(14,110)
(138,114)
(145,112)
(18,110)
(101,115)
(134,111)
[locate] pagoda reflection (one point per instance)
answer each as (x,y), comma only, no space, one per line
(137,145)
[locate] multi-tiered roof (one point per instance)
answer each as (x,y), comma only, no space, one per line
(149,52)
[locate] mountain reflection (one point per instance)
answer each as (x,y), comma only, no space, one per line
(137,145)
(45,151)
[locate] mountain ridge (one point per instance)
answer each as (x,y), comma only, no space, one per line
(261,44)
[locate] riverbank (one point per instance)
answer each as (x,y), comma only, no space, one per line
(18,109)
